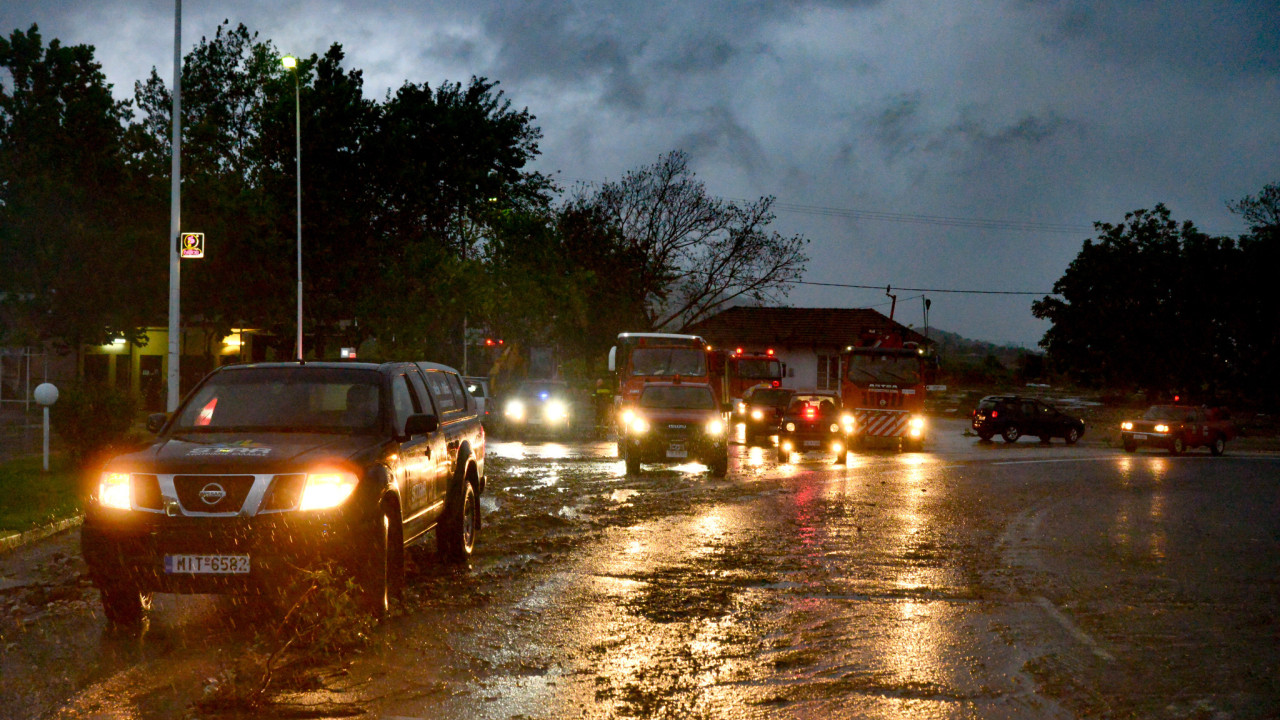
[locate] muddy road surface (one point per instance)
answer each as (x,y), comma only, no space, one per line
(973,580)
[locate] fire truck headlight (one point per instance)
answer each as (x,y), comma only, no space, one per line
(715,427)
(916,426)
(555,411)
(515,410)
(327,489)
(848,422)
(791,427)
(639,425)
(1162,428)
(757,414)
(1126,425)
(113,490)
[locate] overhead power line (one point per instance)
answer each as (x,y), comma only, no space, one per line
(932,290)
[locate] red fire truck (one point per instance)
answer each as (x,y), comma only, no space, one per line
(640,358)
(884,389)
(741,369)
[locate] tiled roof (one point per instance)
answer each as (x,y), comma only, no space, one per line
(799,327)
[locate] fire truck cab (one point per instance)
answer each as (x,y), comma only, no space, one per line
(640,358)
(884,389)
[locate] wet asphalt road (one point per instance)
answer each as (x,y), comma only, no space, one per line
(974,580)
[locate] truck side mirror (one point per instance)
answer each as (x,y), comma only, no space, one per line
(613,359)
(421,424)
(155,421)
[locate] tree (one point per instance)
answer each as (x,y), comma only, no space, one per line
(67,207)
(698,252)
(1143,305)
(1253,321)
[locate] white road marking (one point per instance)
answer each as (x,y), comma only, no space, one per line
(1080,635)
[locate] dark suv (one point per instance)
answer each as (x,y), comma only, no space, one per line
(268,467)
(1011,417)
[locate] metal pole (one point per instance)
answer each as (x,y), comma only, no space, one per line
(297,113)
(46,438)
(175,213)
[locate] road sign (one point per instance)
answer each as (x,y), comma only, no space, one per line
(191,245)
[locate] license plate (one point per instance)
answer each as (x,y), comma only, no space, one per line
(813,443)
(676,450)
(206,564)
(1139,436)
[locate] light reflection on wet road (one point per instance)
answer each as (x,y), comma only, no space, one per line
(977,580)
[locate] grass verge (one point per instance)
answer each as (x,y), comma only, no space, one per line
(31,497)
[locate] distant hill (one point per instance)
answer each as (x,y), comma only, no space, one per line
(952,347)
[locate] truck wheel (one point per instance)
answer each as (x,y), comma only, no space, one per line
(1011,433)
(1130,446)
(1073,435)
(1178,446)
(456,534)
(124,604)
(720,465)
(1218,446)
(633,464)
(381,571)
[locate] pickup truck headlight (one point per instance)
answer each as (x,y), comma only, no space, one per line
(639,425)
(1162,428)
(757,414)
(715,427)
(113,490)
(1126,425)
(327,489)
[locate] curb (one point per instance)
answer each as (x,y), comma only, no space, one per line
(17,540)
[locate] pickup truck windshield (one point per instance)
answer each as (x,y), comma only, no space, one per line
(678,398)
(292,399)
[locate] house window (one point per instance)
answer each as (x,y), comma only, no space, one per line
(828,372)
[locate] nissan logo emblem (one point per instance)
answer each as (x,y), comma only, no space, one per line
(212,494)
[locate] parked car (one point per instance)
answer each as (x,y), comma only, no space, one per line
(479,389)
(675,422)
(268,467)
(1011,417)
(535,407)
(814,422)
(760,412)
(1178,428)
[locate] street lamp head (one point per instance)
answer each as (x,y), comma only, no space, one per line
(289,61)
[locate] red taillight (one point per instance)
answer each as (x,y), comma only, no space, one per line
(777,383)
(809,413)
(994,413)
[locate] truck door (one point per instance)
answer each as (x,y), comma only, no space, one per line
(416,456)
(438,464)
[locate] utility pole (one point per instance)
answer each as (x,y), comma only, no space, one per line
(175,216)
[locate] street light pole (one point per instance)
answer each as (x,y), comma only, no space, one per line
(292,63)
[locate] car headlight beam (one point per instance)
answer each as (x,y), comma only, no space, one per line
(327,489)
(515,410)
(113,490)
(715,427)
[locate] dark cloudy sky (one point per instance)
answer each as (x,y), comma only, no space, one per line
(946,145)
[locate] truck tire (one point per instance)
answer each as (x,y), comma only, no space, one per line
(633,464)
(1218,446)
(456,533)
(1011,433)
(720,465)
(1178,446)
(381,569)
(1073,435)
(124,604)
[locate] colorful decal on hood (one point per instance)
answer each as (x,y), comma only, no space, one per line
(237,448)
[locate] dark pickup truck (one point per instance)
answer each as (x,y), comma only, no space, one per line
(1178,428)
(268,467)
